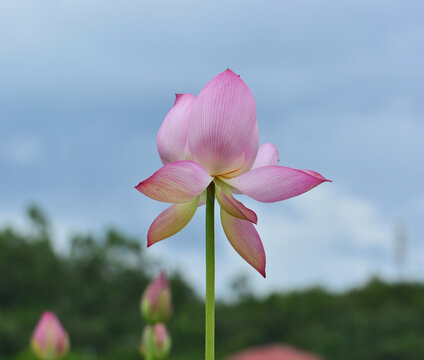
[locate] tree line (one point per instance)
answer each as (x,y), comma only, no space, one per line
(95,289)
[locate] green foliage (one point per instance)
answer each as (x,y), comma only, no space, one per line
(96,286)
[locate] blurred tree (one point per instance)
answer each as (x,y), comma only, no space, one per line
(241,287)
(38,220)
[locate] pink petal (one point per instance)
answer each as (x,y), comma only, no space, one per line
(161,334)
(176,182)
(234,207)
(276,183)
(202,200)
(244,238)
(171,221)
(223,134)
(155,288)
(267,155)
(172,136)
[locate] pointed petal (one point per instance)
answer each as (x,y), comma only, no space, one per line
(267,155)
(176,182)
(233,206)
(172,136)
(171,221)
(276,183)
(244,238)
(223,134)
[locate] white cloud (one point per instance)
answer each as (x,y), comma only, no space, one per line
(22,151)
(325,237)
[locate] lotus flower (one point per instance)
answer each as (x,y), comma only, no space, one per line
(215,137)
(49,340)
(156,338)
(156,303)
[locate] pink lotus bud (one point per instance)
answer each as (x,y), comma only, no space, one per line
(156,302)
(49,340)
(155,341)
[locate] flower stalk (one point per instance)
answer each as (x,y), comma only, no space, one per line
(150,346)
(210,274)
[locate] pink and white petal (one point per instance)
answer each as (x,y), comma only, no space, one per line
(249,157)
(267,155)
(234,207)
(176,182)
(276,183)
(172,136)
(223,134)
(244,238)
(202,200)
(171,221)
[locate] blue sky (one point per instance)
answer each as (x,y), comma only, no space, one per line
(84,87)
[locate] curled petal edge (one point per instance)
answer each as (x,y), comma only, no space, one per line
(234,207)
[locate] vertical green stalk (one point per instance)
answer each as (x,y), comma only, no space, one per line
(210,273)
(150,355)
(149,344)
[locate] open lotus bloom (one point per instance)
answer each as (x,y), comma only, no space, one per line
(49,340)
(215,137)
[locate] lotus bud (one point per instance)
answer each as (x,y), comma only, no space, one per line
(155,342)
(156,302)
(49,340)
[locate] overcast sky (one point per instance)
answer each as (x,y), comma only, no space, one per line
(84,87)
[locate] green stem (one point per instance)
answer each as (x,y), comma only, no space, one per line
(210,273)
(150,355)
(149,344)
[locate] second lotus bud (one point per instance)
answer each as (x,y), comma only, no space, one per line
(155,341)
(156,302)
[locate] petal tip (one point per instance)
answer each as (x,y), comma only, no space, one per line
(229,71)
(139,186)
(181,96)
(252,217)
(150,241)
(316,175)
(151,237)
(177,97)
